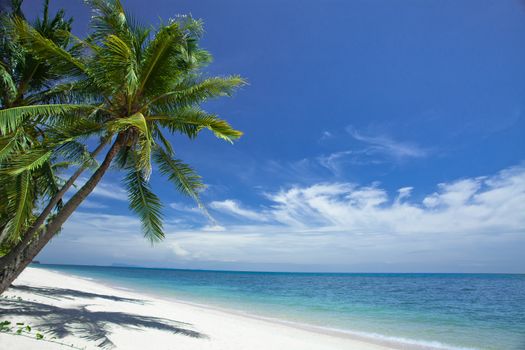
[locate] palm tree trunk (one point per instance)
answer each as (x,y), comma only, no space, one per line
(12,264)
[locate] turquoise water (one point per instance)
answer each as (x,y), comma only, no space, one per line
(431,311)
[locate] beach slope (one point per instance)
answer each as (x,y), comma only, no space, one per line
(75,312)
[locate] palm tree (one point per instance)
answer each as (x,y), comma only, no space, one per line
(26,80)
(134,86)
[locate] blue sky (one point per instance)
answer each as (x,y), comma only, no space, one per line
(380,135)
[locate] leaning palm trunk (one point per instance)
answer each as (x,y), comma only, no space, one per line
(12,264)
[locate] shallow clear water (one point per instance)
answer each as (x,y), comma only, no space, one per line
(447,311)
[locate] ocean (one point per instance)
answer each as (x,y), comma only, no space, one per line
(413,311)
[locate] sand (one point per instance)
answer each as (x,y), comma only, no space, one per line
(88,315)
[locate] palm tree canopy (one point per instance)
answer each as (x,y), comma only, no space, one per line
(128,80)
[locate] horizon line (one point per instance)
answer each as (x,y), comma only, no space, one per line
(277,272)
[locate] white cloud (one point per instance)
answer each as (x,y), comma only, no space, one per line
(325,135)
(403,192)
(333,161)
(386,145)
(105,189)
(89,204)
(184,208)
(473,224)
(377,149)
(177,249)
(479,205)
(110,191)
(105,224)
(213,228)
(233,208)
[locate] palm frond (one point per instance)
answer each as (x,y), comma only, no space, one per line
(186,180)
(31,160)
(75,92)
(157,133)
(21,206)
(47,50)
(159,54)
(145,204)
(144,160)
(50,182)
(78,128)
(9,144)
(191,92)
(190,121)
(11,118)
(136,120)
(108,18)
(115,66)
(75,153)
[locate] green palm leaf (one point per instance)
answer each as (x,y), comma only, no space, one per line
(182,175)
(63,61)
(136,120)
(190,121)
(9,144)
(191,92)
(160,136)
(31,160)
(21,206)
(49,181)
(81,91)
(75,153)
(144,161)
(114,67)
(145,204)
(108,18)
(11,118)
(158,55)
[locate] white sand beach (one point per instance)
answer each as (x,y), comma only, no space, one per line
(80,313)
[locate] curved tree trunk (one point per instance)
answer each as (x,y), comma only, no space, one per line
(12,264)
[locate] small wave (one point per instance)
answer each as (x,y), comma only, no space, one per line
(405,343)
(375,338)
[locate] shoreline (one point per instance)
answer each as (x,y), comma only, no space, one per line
(323,338)
(123,319)
(392,342)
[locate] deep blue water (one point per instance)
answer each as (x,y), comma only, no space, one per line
(449,311)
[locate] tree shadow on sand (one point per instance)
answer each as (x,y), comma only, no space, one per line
(63,293)
(90,325)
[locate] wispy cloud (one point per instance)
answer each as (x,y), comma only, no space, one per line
(213,228)
(371,150)
(184,208)
(105,189)
(471,224)
(388,146)
(326,135)
(110,191)
(90,204)
(336,161)
(233,208)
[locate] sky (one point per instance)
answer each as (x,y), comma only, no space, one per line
(379,136)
